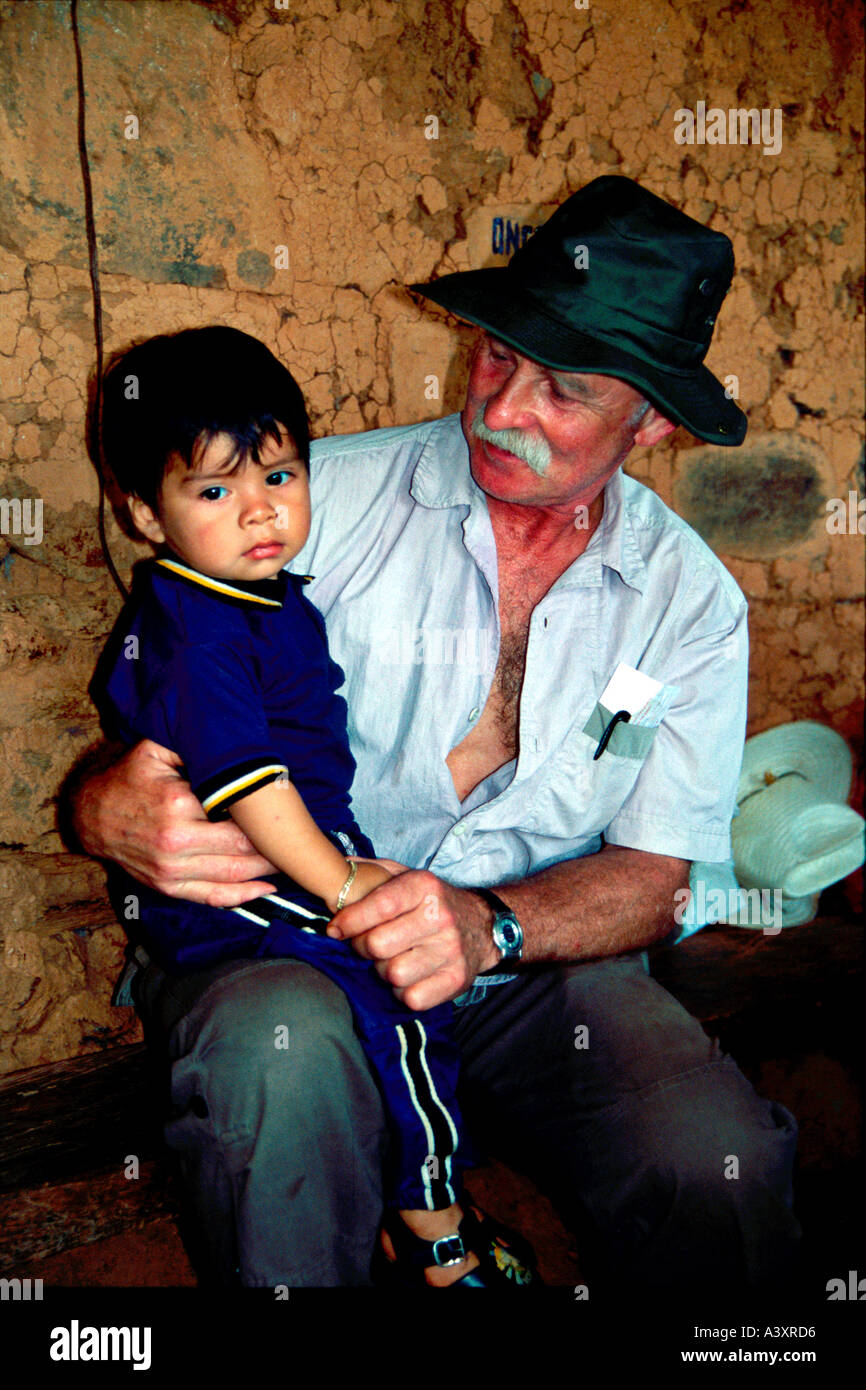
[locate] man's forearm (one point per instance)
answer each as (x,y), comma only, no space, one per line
(605,904)
(429,939)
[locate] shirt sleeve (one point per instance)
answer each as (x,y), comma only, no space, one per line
(207,706)
(684,798)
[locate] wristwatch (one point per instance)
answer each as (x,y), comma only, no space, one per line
(507,931)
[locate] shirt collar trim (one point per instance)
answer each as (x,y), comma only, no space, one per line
(259,593)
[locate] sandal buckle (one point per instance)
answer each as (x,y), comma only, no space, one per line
(448,1250)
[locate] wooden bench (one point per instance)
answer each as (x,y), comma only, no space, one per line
(788,1008)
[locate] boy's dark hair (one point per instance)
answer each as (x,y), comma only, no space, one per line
(171,394)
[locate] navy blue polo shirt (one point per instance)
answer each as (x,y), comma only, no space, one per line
(236,678)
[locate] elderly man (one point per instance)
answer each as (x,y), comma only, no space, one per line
(548,798)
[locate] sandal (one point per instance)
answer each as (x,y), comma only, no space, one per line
(506,1259)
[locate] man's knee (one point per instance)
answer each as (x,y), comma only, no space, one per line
(711,1130)
(708,1195)
(279,1126)
(268,1024)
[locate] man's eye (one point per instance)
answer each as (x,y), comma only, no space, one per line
(562,393)
(276,479)
(213,494)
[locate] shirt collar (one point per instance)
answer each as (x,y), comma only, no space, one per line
(614,543)
(442,479)
(257,593)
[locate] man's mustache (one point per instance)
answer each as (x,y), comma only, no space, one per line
(534,452)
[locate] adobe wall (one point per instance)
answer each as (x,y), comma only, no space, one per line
(375,142)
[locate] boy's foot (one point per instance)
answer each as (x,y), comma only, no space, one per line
(431,1226)
(495,1256)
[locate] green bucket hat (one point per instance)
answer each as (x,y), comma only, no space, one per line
(619,282)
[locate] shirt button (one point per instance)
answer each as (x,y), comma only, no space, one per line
(546,621)
(460,829)
(473,714)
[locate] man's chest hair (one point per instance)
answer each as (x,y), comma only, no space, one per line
(508,682)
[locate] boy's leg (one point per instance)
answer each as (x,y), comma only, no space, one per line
(417,1063)
(276,1118)
(672,1171)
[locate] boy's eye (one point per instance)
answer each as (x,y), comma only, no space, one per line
(212,494)
(281,475)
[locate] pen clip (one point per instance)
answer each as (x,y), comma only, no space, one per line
(621,716)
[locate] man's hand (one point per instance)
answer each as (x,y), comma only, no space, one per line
(427,939)
(142,814)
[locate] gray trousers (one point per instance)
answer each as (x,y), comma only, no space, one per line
(655,1149)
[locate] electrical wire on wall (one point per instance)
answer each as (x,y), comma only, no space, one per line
(94,422)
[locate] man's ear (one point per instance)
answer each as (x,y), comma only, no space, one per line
(653,427)
(145,520)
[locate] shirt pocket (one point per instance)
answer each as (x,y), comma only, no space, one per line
(596,789)
(574,797)
(631,741)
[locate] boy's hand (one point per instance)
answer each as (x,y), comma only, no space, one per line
(142,814)
(427,938)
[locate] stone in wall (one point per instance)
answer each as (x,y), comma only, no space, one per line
(764,499)
(62,955)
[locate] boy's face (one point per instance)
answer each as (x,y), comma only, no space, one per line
(245,524)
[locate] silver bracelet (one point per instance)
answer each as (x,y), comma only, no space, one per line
(344,891)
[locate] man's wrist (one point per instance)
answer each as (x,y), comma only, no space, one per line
(79,804)
(505,934)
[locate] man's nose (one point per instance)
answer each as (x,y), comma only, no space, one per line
(512,405)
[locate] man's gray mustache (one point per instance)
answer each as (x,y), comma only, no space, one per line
(534,452)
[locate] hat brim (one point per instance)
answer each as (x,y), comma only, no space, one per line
(492,299)
(817,752)
(796,832)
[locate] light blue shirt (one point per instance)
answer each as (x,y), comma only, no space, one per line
(403,554)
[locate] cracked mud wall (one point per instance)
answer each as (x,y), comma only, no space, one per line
(279,175)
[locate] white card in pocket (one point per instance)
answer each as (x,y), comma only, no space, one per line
(646,700)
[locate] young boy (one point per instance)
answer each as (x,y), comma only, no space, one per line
(219,656)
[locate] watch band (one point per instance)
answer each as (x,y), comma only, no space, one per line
(494,901)
(507,931)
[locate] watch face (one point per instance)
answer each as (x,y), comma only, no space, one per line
(508,934)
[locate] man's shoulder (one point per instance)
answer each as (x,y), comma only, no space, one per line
(357,480)
(380,447)
(654,524)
